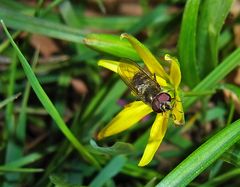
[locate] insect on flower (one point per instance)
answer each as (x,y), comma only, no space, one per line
(145,86)
(157,91)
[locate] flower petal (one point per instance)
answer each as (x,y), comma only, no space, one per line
(157,133)
(130,115)
(149,60)
(161,81)
(177,112)
(175,73)
(109,64)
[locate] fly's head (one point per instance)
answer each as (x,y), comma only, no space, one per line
(161,103)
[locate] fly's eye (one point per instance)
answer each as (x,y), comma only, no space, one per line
(157,106)
(164,97)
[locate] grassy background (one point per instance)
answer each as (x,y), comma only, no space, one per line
(54,97)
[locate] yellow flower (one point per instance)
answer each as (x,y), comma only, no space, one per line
(135,111)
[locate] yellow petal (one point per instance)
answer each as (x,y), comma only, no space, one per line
(175,73)
(130,115)
(157,133)
(161,81)
(149,60)
(109,64)
(177,112)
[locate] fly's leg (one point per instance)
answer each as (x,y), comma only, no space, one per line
(154,76)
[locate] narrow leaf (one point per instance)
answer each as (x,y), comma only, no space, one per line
(117,148)
(211,19)
(204,156)
(210,82)
(9,99)
(111,44)
(23,22)
(114,166)
(187,43)
(48,105)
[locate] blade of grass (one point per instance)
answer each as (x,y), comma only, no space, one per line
(201,158)
(215,169)
(60,181)
(50,7)
(63,152)
(210,82)
(217,181)
(111,44)
(15,148)
(107,108)
(25,160)
(6,43)
(114,166)
(11,149)
(20,133)
(113,22)
(40,26)
(160,15)
(211,19)
(133,170)
(20,170)
(17,6)
(115,149)
(9,99)
(233,155)
(187,43)
(48,105)
(69,16)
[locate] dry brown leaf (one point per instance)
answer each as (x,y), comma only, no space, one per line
(131,9)
(46,45)
(236,78)
(232,96)
(235,9)
(79,86)
(236,30)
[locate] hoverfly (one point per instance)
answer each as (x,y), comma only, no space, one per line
(145,86)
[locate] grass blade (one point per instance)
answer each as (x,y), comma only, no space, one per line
(8,100)
(111,44)
(114,166)
(20,170)
(230,63)
(187,43)
(211,19)
(12,150)
(160,15)
(48,105)
(40,26)
(201,158)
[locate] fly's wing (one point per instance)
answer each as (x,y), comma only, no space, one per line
(130,72)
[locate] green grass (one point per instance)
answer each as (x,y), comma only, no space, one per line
(52,105)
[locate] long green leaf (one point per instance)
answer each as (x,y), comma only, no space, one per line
(8,100)
(116,149)
(204,156)
(217,181)
(160,15)
(48,105)
(230,63)
(25,160)
(12,148)
(114,166)
(23,22)
(111,44)
(187,43)
(211,19)
(20,170)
